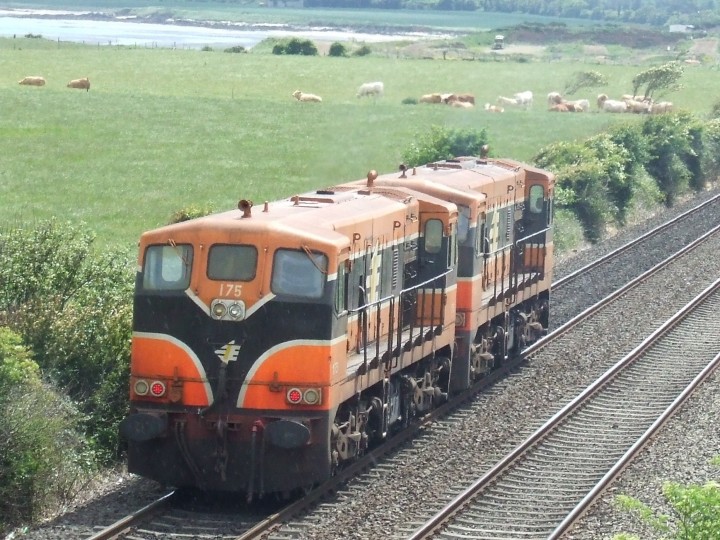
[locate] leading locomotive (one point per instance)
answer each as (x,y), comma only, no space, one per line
(273,345)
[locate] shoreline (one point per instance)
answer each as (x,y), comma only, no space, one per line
(163,19)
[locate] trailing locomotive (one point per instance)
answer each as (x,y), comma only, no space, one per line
(273,345)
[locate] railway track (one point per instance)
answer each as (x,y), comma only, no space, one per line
(257,526)
(539,489)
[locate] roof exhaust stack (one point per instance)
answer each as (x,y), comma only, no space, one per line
(245,206)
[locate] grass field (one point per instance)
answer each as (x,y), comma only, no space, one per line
(162,130)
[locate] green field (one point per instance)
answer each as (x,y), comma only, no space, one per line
(162,130)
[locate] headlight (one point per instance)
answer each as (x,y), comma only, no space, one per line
(236,311)
(311,396)
(141,387)
(219,310)
(227,310)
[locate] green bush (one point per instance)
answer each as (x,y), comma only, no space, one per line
(207,48)
(295,46)
(44,458)
(364,50)
(236,49)
(409,101)
(581,182)
(337,49)
(441,143)
(695,512)
(710,160)
(567,230)
(669,141)
(73,308)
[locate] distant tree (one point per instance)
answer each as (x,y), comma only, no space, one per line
(337,49)
(584,79)
(665,78)
(303,47)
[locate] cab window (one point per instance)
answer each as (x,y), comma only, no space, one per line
(167,267)
(299,273)
(341,289)
(463,223)
(232,262)
(537,194)
(433,236)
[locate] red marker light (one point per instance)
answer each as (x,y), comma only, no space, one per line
(157,389)
(294,395)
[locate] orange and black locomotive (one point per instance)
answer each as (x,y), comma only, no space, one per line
(272,345)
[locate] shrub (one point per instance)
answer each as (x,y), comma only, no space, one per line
(362,51)
(207,48)
(236,49)
(295,46)
(442,143)
(710,161)
(669,141)
(44,459)
(694,508)
(715,110)
(567,230)
(409,101)
(581,180)
(73,308)
(337,49)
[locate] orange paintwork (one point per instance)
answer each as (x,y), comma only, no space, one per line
(158,358)
(297,365)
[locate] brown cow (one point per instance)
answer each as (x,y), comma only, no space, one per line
(82,84)
(33,81)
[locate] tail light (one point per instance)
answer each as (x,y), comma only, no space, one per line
(143,387)
(304,396)
(157,389)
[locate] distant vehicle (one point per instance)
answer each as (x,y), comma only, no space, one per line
(499,42)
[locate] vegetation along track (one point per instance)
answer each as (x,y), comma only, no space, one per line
(540,488)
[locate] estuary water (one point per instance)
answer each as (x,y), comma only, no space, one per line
(133,33)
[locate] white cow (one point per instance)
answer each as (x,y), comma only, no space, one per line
(524,99)
(371,89)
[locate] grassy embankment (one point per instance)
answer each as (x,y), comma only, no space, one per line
(161,130)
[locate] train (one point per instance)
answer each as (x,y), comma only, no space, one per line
(274,344)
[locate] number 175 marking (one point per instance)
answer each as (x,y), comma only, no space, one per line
(230,289)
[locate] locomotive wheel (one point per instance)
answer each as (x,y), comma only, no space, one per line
(348,438)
